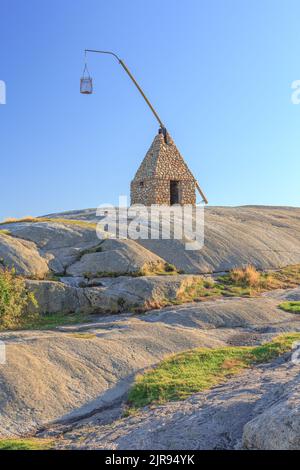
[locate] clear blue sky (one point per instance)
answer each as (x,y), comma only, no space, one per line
(218,71)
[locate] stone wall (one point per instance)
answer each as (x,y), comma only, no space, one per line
(162,164)
(157,191)
(145,194)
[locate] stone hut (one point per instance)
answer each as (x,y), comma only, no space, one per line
(163,176)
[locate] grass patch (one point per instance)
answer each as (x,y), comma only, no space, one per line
(5,232)
(247,281)
(157,269)
(181,375)
(293,307)
(198,289)
(50,321)
(203,288)
(239,282)
(26,444)
(84,335)
(288,277)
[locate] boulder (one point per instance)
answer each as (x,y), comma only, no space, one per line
(107,295)
(61,244)
(127,293)
(278,426)
(116,257)
(151,290)
(23,256)
(56,297)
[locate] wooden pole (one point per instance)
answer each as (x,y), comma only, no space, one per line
(201,193)
(135,83)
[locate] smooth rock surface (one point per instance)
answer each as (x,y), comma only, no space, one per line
(56,297)
(237,414)
(107,295)
(277,426)
(265,236)
(62,244)
(23,256)
(116,257)
(52,375)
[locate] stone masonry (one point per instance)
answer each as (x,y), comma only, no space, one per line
(163,176)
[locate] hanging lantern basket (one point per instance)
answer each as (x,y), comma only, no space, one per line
(86,82)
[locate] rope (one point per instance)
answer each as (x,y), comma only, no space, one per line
(85,70)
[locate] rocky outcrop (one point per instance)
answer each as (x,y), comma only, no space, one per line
(57,297)
(278,426)
(60,243)
(267,237)
(116,257)
(95,372)
(23,256)
(227,417)
(258,409)
(125,293)
(107,295)
(51,374)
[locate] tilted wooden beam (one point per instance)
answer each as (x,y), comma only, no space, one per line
(201,193)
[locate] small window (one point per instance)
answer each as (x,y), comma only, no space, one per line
(141,184)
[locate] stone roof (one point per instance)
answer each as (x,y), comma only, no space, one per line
(163,160)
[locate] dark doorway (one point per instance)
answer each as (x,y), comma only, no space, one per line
(174,192)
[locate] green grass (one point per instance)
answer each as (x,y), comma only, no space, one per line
(4,232)
(293,307)
(181,375)
(26,444)
(52,320)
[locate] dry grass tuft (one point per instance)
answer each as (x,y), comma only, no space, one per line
(27,218)
(245,277)
(249,277)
